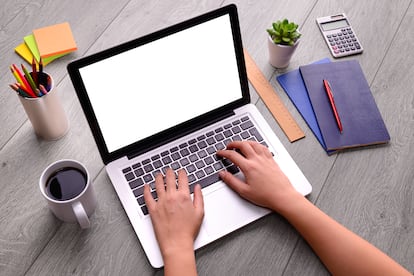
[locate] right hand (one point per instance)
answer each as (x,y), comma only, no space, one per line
(265,183)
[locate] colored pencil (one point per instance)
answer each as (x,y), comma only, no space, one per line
(18,90)
(28,93)
(34,73)
(25,84)
(16,76)
(43,89)
(30,80)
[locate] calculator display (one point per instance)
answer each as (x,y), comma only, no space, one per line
(327,26)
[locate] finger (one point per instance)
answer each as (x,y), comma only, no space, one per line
(170,181)
(234,183)
(183,181)
(159,185)
(259,148)
(243,146)
(149,200)
(198,201)
(235,157)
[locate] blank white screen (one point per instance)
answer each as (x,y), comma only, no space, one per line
(153,87)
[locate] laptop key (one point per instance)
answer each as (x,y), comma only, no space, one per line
(175,156)
(129,176)
(139,191)
(157,164)
(233,169)
(135,183)
(139,172)
(207,181)
(209,170)
(144,209)
(218,166)
(210,133)
(141,200)
(148,168)
(166,160)
(253,131)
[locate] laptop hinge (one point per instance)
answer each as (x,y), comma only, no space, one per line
(165,139)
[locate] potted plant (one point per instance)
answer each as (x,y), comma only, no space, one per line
(283,40)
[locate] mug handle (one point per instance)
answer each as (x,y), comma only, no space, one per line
(81,215)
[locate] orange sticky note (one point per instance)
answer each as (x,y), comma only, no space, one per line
(54,40)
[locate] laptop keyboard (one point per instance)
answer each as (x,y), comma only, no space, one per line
(197,156)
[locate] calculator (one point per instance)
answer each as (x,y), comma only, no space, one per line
(339,35)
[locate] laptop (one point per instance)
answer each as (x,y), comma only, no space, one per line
(171,99)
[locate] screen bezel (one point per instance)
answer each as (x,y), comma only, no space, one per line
(176,131)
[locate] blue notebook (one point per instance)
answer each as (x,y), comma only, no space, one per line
(295,88)
(361,120)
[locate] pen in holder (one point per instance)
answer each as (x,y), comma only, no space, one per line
(45,111)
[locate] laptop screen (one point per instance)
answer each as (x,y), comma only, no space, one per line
(158,85)
(140,93)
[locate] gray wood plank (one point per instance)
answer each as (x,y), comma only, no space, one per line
(26,223)
(88,19)
(370,190)
(109,247)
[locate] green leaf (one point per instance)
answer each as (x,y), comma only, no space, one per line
(286,39)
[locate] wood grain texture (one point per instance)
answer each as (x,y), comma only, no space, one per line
(370,190)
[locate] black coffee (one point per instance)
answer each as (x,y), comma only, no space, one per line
(65,183)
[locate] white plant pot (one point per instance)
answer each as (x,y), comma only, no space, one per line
(279,55)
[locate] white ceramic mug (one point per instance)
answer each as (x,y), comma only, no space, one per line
(76,209)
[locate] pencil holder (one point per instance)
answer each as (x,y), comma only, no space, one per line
(45,112)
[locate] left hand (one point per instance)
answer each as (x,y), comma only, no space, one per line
(175,217)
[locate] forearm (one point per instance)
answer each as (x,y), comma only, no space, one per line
(342,252)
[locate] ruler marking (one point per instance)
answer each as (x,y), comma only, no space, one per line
(273,102)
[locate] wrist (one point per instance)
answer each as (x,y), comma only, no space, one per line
(177,248)
(289,204)
(179,260)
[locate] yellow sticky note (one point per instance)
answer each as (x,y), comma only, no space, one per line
(24,51)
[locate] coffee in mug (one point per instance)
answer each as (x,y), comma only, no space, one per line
(65,183)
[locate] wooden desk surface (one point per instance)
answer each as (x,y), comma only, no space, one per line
(370,191)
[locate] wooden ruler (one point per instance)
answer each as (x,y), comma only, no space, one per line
(275,105)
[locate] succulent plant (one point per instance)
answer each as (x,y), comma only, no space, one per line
(284,32)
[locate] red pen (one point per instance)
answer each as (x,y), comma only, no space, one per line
(331,100)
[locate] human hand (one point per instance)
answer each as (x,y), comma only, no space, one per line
(265,183)
(175,217)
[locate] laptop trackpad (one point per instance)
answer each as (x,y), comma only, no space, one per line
(226,211)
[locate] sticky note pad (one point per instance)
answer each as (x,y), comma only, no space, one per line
(32,47)
(54,40)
